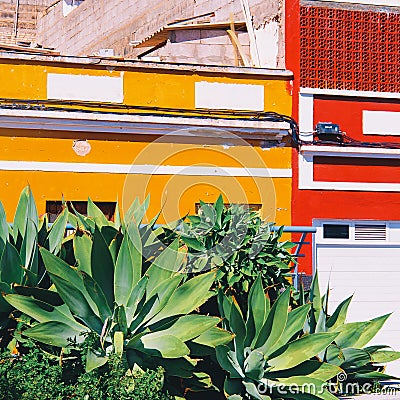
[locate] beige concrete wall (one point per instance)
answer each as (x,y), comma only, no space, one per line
(27,17)
(95,25)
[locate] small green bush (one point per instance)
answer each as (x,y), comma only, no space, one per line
(39,376)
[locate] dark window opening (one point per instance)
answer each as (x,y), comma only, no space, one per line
(54,208)
(335,231)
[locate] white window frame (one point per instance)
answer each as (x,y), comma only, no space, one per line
(306,168)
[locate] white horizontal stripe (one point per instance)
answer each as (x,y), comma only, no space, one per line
(381,122)
(85,87)
(145,169)
(374,152)
(351,93)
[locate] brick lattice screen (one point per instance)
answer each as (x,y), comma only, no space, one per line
(349,49)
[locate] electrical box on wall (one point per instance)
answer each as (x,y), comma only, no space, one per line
(327,131)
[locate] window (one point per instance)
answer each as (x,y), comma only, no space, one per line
(54,208)
(336,231)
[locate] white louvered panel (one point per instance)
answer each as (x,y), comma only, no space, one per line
(370,232)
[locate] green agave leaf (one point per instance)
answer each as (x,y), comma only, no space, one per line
(82,251)
(232,387)
(5,307)
(214,337)
(57,232)
(295,323)
(182,367)
(126,271)
(97,295)
(238,327)
(29,242)
(3,228)
(163,294)
(96,214)
(228,362)
(11,270)
(251,389)
(338,318)
(359,334)
(55,334)
(191,326)
(275,324)
(316,300)
(44,312)
(94,361)
(385,356)
(189,296)
(137,211)
(334,355)
(312,368)
(48,296)
(102,266)
(167,346)
(134,299)
(355,358)
(256,313)
(61,271)
(165,265)
(300,350)
(254,365)
(20,217)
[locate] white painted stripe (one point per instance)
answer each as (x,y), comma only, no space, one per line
(85,88)
(306,116)
(345,151)
(229,96)
(381,122)
(351,93)
(145,169)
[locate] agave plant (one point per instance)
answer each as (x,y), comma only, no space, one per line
(349,350)
(269,358)
(242,246)
(142,315)
(21,266)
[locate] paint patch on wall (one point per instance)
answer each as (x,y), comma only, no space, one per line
(229,96)
(381,123)
(85,87)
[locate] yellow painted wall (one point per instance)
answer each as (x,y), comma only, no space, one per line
(175,194)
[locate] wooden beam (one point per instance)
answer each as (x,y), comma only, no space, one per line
(235,42)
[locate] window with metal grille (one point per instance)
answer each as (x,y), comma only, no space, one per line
(349,49)
(370,232)
(54,208)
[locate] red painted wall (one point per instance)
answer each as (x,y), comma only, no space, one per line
(347,112)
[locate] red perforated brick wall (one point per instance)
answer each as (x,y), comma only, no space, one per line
(349,49)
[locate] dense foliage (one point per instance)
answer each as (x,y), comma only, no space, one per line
(38,375)
(116,310)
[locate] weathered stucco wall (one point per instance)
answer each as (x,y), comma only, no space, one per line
(114,24)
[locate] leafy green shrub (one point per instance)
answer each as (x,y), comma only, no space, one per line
(39,376)
(240,244)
